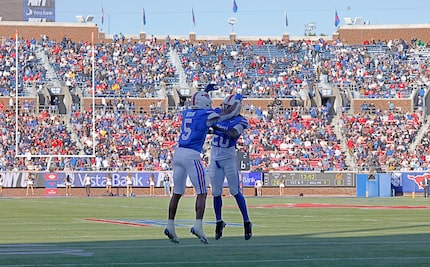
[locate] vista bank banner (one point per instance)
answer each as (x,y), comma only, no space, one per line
(98,179)
(39,10)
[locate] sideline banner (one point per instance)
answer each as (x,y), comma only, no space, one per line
(98,179)
(19,179)
(51,184)
(53,181)
(412,181)
(249,178)
(401,182)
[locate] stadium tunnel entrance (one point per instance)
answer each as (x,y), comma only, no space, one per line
(57,103)
(329,101)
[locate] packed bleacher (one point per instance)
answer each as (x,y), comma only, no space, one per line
(381,70)
(30,72)
(383,139)
(268,69)
(121,68)
(300,138)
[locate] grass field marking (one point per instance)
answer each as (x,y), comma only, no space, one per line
(116,222)
(33,249)
(161,223)
(348,206)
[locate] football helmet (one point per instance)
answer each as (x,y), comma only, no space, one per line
(201,100)
(231,100)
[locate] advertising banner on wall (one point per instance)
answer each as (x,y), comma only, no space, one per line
(98,179)
(249,178)
(39,10)
(413,181)
(51,184)
(53,181)
(19,179)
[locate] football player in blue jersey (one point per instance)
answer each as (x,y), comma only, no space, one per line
(196,122)
(223,163)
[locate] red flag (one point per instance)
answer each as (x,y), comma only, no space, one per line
(336,19)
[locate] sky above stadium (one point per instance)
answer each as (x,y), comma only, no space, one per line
(254,17)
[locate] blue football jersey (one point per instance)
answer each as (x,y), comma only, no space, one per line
(195,126)
(222,139)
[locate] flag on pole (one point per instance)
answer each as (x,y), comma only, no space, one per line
(143,16)
(234,6)
(336,19)
(103,16)
(193,17)
(286,19)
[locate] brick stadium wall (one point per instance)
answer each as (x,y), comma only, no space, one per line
(349,34)
(5,101)
(143,104)
(404,105)
(159,191)
(55,31)
(357,34)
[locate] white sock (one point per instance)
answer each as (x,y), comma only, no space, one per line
(198,224)
(171,224)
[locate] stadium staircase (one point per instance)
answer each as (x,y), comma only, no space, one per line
(423,130)
(349,159)
(174,96)
(326,89)
(53,81)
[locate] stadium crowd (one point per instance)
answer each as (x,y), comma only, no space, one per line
(300,138)
(122,68)
(30,70)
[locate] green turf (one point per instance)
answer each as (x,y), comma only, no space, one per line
(54,232)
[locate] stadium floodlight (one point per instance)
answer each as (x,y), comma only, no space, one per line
(232,21)
(309,27)
(357,20)
(83,19)
(348,21)
(80,18)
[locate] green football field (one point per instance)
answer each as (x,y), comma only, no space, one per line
(122,231)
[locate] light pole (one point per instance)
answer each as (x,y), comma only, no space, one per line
(232,21)
(309,27)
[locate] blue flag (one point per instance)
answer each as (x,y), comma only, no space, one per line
(143,16)
(286,19)
(234,6)
(336,19)
(194,18)
(103,16)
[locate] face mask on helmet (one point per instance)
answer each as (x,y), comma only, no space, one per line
(230,101)
(201,100)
